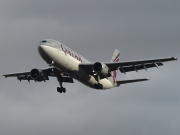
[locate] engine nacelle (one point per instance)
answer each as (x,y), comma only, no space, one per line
(100,68)
(38,75)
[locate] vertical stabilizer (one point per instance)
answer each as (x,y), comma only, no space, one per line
(115,58)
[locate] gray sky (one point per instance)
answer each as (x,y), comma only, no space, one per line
(140,29)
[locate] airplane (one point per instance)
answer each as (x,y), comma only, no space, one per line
(66,65)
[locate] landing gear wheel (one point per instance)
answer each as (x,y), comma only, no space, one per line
(95,86)
(59,90)
(63,90)
(98,86)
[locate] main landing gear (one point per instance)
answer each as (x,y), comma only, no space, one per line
(61,89)
(98,86)
(59,77)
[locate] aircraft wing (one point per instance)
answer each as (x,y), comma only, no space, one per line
(129,65)
(48,72)
(138,65)
(17,74)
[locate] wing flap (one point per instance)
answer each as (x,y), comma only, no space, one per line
(67,80)
(138,67)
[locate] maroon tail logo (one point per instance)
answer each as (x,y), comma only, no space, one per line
(114,73)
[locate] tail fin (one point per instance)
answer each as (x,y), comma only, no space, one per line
(115,58)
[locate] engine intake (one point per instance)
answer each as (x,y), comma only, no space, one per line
(37,75)
(100,68)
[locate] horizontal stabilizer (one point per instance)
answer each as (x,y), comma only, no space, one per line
(131,81)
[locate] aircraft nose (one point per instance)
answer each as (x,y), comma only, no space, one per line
(43,51)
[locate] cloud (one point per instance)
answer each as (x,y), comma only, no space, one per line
(140,29)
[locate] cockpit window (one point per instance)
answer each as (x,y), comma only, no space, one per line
(44,41)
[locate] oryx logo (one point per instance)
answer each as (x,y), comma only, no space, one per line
(114,73)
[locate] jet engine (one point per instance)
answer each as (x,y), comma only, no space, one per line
(37,75)
(100,68)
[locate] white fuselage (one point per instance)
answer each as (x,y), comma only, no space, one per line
(67,60)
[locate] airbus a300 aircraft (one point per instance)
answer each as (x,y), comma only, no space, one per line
(66,65)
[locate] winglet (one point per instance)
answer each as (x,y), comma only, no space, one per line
(175,58)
